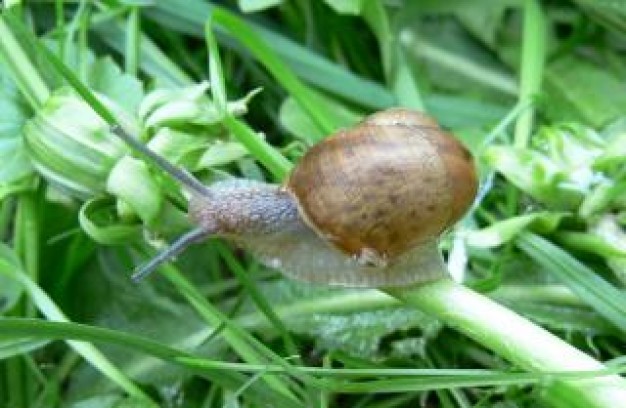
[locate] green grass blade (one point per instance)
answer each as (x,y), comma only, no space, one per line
(44,331)
(275,162)
(531,72)
(79,333)
(28,80)
(241,341)
(152,60)
(607,300)
(261,303)
(65,71)
(216,75)
(52,312)
(133,41)
(189,16)
(237,28)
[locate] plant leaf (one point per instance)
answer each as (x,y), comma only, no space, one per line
(503,231)
(576,89)
(13,114)
(106,78)
(252,6)
(606,299)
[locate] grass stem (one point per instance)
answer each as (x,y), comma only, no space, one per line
(531,72)
(518,340)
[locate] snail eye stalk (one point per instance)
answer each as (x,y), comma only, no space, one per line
(192,237)
(183,176)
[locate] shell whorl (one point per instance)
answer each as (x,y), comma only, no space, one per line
(394,181)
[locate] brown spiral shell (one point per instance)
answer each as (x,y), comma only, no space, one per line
(395,181)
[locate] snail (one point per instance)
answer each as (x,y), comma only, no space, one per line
(362,208)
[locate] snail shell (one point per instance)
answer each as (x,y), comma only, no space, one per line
(393,182)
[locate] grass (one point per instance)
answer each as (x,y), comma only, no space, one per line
(545,240)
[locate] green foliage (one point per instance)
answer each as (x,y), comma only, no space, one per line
(535,89)
(13,114)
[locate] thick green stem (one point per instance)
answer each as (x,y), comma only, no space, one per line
(518,340)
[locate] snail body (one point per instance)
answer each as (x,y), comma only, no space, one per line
(363,208)
(265,220)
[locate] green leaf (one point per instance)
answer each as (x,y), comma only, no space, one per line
(131,181)
(252,6)
(482,18)
(463,112)
(152,60)
(533,173)
(106,78)
(13,114)
(395,63)
(558,171)
(221,153)
(578,90)
(10,290)
(358,324)
(306,97)
(293,118)
(52,312)
(98,401)
(180,148)
(190,16)
(615,152)
(74,155)
(606,299)
(363,333)
(564,318)
(504,231)
(18,347)
(350,7)
(611,13)
(216,75)
(98,219)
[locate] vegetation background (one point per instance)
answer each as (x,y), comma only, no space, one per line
(536,89)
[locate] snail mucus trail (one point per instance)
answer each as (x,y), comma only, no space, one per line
(363,208)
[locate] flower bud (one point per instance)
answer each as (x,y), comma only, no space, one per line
(187,106)
(72,147)
(136,189)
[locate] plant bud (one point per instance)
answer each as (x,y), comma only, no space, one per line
(71,146)
(187,106)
